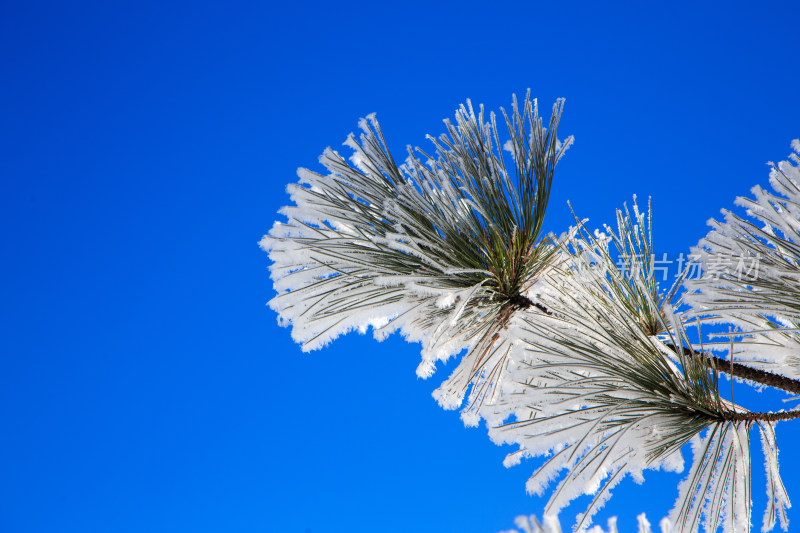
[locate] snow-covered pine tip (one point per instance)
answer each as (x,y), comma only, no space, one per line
(751,273)
(442,248)
(602,387)
(591,371)
(550,524)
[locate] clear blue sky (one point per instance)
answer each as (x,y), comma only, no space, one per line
(144,384)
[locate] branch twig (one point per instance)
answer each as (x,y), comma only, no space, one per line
(745,372)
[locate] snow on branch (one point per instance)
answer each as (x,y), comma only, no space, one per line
(550,524)
(752,273)
(563,354)
(435,248)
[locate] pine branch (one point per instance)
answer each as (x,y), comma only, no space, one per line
(729,367)
(448,250)
(521,301)
(734,369)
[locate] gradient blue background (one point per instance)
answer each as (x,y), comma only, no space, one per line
(144,384)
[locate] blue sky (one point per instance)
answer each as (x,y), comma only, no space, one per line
(145,386)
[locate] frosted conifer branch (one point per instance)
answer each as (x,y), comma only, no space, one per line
(565,355)
(752,273)
(437,248)
(550,524)
(597,392)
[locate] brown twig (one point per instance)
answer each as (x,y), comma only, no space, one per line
(745,372)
